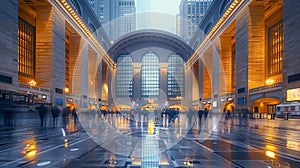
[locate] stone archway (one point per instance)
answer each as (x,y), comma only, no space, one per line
(264,105)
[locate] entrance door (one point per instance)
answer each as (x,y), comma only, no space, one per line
(271,109)
(255,109)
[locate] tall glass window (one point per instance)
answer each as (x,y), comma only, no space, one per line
(150,75)
(124,76)
(175,76)
(275,48)
(75,6)
(26,49)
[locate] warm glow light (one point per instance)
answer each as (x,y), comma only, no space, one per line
(67,90)
(150,127)
(220,22)
(85,29)
(293,94)
(32,83)
(163,163)
(270,154)
(270,81)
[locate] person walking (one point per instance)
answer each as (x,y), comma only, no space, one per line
(74,114)
(205,113)
(200,113)
(42,110)
(65,114)
(55,113)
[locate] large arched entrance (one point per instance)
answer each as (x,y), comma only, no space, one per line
(265,105)
(228,106)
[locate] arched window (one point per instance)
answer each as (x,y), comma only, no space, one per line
(124,76)
(75,6)
(175,76)
(150,75)
(207,28)
(223,6)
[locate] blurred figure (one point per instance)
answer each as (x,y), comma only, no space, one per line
(74,114)
(131,114)
(145,114)
(171,115)
(42,110)
(228,114)
(55,113)
(176,114)
(200,113)
(156,114)
(190,114)
(205,113)
(65,114)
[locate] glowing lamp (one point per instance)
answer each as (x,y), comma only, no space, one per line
(270,81)
(32,83)
(270,154)
(67,90)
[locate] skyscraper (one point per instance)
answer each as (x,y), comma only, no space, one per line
(118,16)
(191,13)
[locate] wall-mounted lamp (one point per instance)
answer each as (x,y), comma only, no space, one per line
(67,90)
(32,82)
(44,97)
(270,81)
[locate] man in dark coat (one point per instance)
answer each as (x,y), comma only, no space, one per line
(55,113)
(42,110)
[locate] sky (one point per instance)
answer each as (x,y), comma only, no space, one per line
(160,14)
(164,6)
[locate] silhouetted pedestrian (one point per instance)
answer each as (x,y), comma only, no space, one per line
(228,114)
(65,114)
(74,113)
(55,113)
(200,113)
(42,110)
(205,113)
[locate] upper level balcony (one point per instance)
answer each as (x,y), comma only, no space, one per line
(268,88)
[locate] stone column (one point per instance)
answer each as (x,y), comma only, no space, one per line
(111,84)
(9,45)
(84,75)
(136,79)
(50,50)
(207,73)
(200,79)
(291,51)
(242,60)
(44,42)
(256,42)
(58,55)
(225,64)
(216,75)
(93,63)
(74,49)
(99,83)
(163,68)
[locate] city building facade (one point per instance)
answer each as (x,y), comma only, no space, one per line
(54,52)
(117,16)
(191,13)
(248,60)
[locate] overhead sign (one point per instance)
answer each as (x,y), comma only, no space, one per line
(293,94)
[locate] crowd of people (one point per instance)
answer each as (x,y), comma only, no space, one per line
(43,112)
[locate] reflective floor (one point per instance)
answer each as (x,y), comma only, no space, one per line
(115,140)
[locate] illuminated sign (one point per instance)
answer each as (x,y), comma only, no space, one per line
(293,94)
(215,104)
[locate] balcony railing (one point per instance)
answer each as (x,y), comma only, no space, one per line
(34,89)
(261,89)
